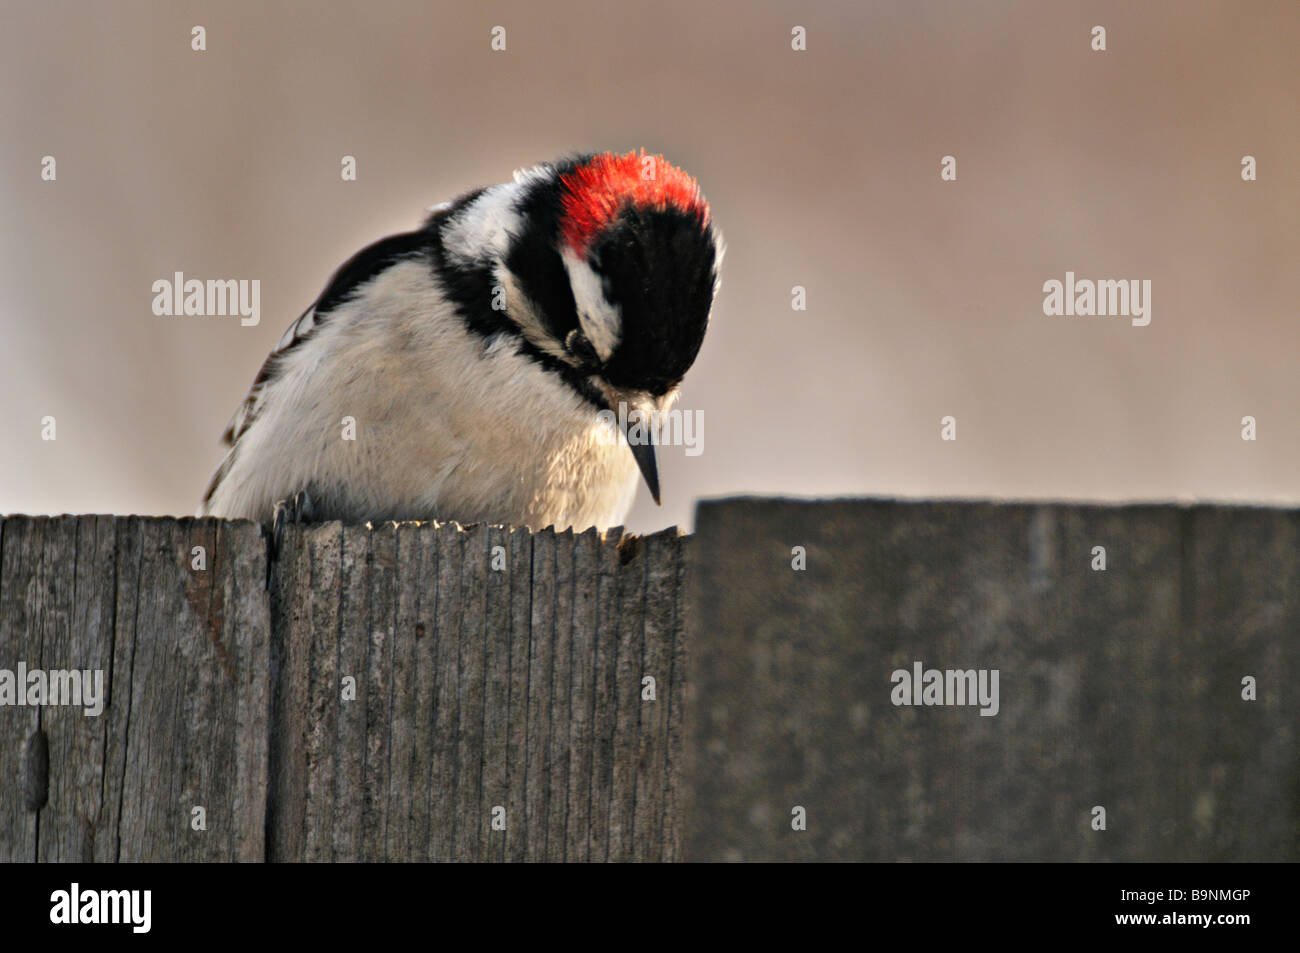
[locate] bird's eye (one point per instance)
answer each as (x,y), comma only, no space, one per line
(578,345)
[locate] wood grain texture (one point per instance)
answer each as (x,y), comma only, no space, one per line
(497,711)
(435,692)
(183,653)
(398,690)
(1119,688)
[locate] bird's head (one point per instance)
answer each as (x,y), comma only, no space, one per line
(615,261)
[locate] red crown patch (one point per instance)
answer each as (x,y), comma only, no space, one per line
(597,190)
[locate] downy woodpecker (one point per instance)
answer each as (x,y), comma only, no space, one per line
(457,372)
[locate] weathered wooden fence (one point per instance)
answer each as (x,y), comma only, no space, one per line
(513,694)
(425,691)
(1120,689)
(409,692)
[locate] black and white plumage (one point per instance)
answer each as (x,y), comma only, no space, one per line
(474,356)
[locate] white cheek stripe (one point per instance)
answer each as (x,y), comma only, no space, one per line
(600,320)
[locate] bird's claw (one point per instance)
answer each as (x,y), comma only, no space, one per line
(296,509)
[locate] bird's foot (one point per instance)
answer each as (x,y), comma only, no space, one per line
(296,509)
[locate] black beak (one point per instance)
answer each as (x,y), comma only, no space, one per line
(645,459)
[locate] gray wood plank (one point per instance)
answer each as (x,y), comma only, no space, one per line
(446,732)
(425,690)
(197,693)
(376,773)
(324,690)
(291,767)
(657,620)
(407,807)
(471,812)
(541,645)
(523,688)
(76,741)
(22,587)
(627,696)
(521,613)
(129,532)
(474,689)
(560,691)
(1118,689)
(677,695)
(586,555)
(348,763)
(246,635)
(605,695)
(496,697)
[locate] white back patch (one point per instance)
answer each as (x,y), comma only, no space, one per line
(601,321)
(482,230)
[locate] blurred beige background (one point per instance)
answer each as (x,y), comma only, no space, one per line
(924,297)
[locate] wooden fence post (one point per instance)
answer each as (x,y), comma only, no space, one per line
(433,692)
(174,768)
(449,693)
(1163,690)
